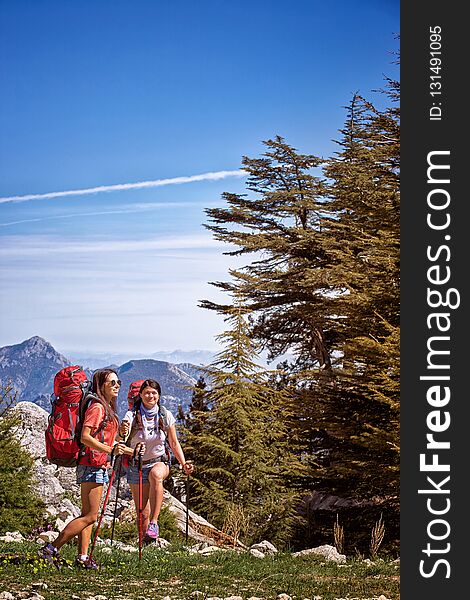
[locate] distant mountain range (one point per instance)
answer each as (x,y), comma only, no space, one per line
(104,359)
(32,364)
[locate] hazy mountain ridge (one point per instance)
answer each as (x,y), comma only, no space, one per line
(32,364)
(174,382)
(103,359)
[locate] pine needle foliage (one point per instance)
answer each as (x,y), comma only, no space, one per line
(363,399)
(277,224)
(20,509)
(242,450)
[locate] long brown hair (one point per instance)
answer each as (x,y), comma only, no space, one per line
(99,378)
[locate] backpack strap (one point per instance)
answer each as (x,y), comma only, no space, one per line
(162,424)
(136,419)
(163,419)
(88,401)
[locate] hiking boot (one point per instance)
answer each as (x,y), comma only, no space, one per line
(50,553)
(88,563)
(152,531)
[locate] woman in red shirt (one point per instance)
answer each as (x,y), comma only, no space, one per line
(99,429)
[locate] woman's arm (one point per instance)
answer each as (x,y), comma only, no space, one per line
(88,440)
(178,450)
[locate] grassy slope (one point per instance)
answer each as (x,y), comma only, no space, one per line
(177,574)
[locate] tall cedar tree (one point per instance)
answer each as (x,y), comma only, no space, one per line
(279,226)
(325,283)
(20,508)
(361,406)
(244,454)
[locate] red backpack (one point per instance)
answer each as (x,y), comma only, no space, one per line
(133,393)
(71,398)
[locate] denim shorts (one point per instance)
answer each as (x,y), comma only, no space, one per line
(133,472)
(87,474)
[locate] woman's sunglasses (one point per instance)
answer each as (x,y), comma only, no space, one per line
(114,382)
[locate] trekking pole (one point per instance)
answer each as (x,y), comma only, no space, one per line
(111,479)
(187,508)
(120,458)
(139,462)
(117,496)
(186,483)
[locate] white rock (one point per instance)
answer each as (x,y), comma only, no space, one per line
(48,536)
(210,550)
(67,504)
(327,551)
(59,524)
(265,547)
(33,420)
(162,543)
(50,512)
(11,536)
(256,553)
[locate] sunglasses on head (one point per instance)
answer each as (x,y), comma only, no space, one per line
(114,382)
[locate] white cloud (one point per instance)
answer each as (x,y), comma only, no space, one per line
(211,176)
(18,246)
(123,210)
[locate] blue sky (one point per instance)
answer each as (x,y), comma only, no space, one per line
(101,94)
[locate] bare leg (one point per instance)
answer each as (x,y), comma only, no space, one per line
(91,498)
(156,477)
(145,503)
(91,503)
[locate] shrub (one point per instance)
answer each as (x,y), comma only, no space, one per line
(20,508)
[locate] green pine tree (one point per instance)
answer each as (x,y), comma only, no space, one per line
(20,509)
(245,454)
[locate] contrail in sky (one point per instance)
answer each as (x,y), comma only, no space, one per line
(127,186)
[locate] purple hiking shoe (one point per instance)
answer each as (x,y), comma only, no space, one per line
(152,531)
